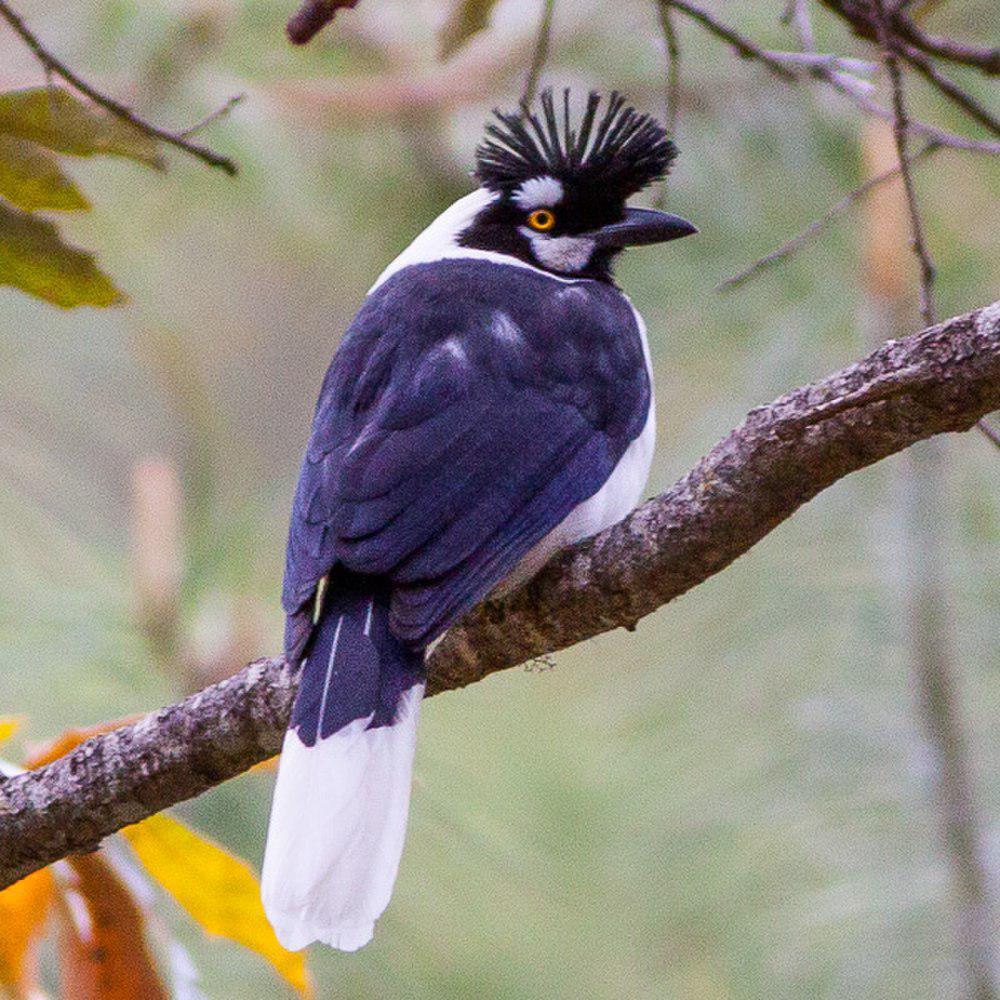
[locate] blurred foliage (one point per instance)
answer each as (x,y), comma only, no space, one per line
(467,17)
(106,912)
(34,123)
(24,908)
(730,803)
(219,892)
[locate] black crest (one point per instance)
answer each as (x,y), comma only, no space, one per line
(622,151)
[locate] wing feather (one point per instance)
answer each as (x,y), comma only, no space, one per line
(441,453)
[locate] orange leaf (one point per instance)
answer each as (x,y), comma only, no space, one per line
(45,753)
(271,764)
(103,953)
(218,890)
(24,908)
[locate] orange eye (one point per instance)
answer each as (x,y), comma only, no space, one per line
(542,220)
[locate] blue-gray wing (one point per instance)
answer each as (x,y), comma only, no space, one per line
(469,409)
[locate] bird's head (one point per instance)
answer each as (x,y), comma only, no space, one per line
(560,192)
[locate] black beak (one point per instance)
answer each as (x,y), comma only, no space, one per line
(642,226)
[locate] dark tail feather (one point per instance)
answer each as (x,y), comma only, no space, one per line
(355,667)
(340,804)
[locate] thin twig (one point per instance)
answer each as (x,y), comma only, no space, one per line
(987,60)
(797,13)
(214,116)
(858,14)
(847,87)
(673,64)
(949,88)
(541,53)
(988,432)
(845,63)
(673,88)
(116,108)
(841,69)
(928,632)
(819,225)
(900,128)
(743,45)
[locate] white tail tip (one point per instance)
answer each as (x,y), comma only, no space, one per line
(338,822)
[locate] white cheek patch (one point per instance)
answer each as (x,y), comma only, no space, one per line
(538,191)
(561,253)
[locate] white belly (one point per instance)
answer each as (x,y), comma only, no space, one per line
(613,501)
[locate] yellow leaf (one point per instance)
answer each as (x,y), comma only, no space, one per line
(30,178)
(24,908)
(218,890)
(9,725)
(58,120)
(467,18)
(34,258)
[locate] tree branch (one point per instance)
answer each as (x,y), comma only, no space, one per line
(312,16)
(900,129)
(846,86)
(954,93)
(942,379)
(858,14)
(58,68)
(820,225)
(673,47)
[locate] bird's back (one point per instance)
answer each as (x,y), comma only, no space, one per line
(461,392)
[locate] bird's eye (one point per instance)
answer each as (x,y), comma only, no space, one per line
(542,220)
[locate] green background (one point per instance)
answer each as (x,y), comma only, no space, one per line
(733,801)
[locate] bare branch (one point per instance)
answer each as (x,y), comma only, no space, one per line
(987,60)
(312,16)
(745,47)
(845,63)
(673,65)
(218,113)
(900,127)
(58,68)
(781,456)
(928,632)
(948,88)
(846,86)
(858,14)
(796,13)
(820,225)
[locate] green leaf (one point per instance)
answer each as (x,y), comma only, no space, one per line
(54,118)
(30,178)
(34,258)
(466,18)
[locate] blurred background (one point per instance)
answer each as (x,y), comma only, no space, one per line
(736,801)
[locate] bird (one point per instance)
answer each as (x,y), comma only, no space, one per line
(490,404)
